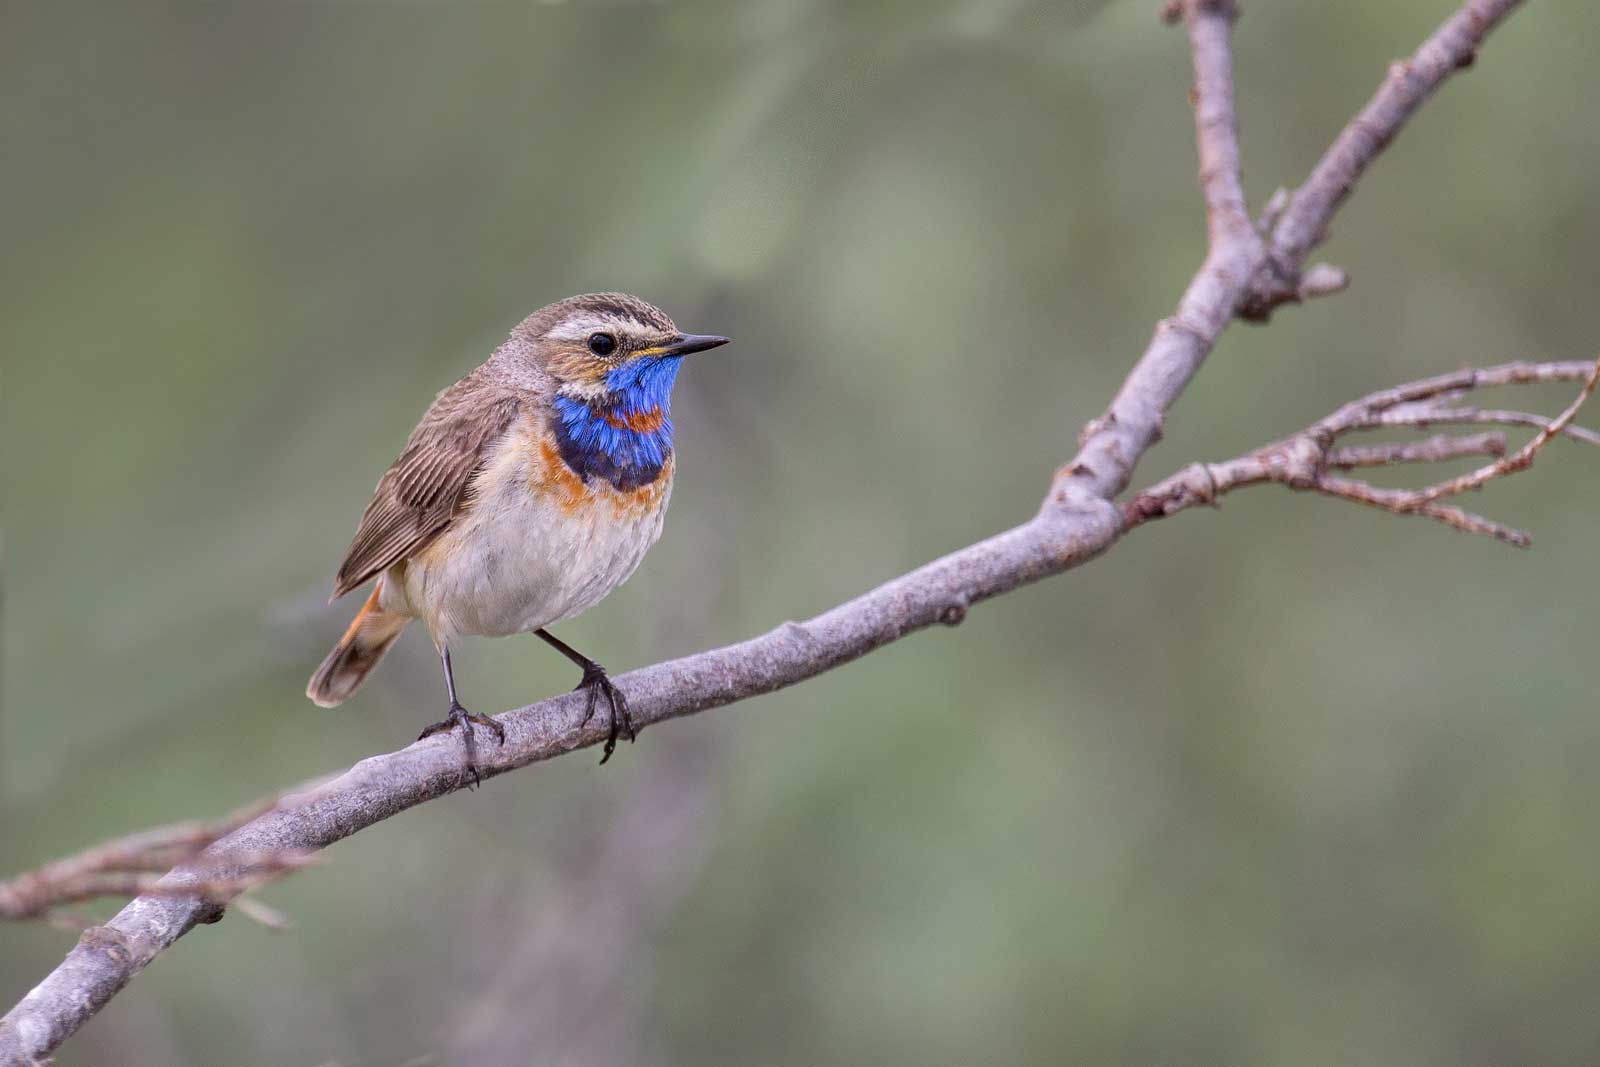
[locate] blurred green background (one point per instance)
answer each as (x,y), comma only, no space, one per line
(1288,783)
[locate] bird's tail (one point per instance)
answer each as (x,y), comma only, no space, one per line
(371,633)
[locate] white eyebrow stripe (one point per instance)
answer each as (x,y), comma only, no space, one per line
(579,326)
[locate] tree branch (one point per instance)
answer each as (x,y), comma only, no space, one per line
(1216,122)
(1298,221)
(1111,444)
(1076,522)
(129,866)
(1303,460)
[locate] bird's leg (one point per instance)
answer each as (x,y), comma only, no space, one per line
(598,683)
(460,716)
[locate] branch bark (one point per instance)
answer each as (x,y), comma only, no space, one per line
(1245,273)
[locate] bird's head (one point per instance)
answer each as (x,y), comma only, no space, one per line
(605,349)
(613,360)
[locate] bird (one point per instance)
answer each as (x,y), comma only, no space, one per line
(529,490)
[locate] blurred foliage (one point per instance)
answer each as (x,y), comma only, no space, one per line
(1289,783)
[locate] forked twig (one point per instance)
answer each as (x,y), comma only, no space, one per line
(1519,460)
(1303,461)
(133,865)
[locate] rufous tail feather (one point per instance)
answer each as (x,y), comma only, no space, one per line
(371,633)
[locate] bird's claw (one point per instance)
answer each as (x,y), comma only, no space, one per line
(460,716)
(596,682)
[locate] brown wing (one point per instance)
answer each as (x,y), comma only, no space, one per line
(427,486)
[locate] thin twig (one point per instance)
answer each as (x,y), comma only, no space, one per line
(1403,502)
(131,865)
(1423,416)
(1519,460)
(1453,47)
(1302,461)
(257,912)
(1438,449)
(1366,412)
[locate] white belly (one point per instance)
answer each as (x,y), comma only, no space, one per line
(518,560)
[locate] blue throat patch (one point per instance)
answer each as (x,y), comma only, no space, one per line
(596,442)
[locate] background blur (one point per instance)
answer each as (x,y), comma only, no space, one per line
(1286,783)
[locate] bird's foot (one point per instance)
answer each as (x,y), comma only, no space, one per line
(460,716)
(598,683)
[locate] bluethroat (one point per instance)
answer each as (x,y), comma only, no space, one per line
(530,489)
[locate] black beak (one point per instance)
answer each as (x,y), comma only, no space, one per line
(685,343)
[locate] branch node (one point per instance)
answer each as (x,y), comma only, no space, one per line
(799,632)
(1212,497)
(1298,463)
(1177,323)
(1091,429)
(1275,285)
(105,940)
(954,613)
(1322,279)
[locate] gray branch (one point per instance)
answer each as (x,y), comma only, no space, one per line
(1245,271)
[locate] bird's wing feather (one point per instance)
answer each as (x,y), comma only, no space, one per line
(428,486)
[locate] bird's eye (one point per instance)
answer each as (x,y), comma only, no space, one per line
(602,344)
